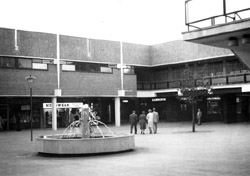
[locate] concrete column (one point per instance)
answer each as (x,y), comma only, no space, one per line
(54,114)
(117,111)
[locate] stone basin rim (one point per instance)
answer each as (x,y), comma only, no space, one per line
(50,137)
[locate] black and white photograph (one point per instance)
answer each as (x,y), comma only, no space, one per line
(125,88)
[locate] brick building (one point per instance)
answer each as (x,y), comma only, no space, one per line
(113,77)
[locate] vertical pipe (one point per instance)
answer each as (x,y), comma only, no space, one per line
(58,61)
(88,48)
(121,62)
(224,7)
(31,114)
(16,46)
(224,10)
(187,14)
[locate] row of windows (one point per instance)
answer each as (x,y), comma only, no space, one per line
(211,70)
(11,62)
(41,64)
(92,67)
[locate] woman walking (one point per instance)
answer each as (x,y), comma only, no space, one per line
(142,122)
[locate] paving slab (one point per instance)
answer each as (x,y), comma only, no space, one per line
(214,149)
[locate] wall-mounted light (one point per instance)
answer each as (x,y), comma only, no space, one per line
(233,41)
(246,39)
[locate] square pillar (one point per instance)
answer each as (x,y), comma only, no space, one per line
(117,111)
(54,114)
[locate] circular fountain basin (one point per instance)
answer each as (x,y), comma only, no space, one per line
(53,144)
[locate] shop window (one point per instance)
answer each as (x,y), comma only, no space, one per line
(213,105)
(7,62)
(183,107)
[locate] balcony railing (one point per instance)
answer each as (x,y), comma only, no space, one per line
(224,18)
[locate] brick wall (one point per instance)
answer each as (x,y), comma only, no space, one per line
(7,41)
(12,81)
(36,44)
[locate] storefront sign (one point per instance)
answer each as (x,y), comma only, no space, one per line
(158,99)
(63,105)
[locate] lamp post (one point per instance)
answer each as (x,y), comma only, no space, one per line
(30,79)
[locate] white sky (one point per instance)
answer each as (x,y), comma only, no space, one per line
(133,21)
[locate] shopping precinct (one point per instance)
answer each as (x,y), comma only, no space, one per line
(113,78)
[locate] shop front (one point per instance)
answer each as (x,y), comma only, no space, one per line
(16,113)
(64,111)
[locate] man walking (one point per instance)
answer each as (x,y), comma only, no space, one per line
(155,120)
(150,119)
(133,119)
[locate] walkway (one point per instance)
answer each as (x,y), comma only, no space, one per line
(215,149)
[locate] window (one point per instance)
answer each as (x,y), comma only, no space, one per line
(24,63)
(86,67)
(93,67)
(7,62)
(80,66)
(129,70)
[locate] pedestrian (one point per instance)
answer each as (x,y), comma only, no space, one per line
(156,120)
(142,122)
(133,119)
(150,119)
(1,123)
(18,122)
(199,115)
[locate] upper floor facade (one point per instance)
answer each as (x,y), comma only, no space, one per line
(91,67)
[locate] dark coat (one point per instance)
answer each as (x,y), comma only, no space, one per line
(133,118)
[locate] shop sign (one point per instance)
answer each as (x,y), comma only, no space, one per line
(158,99)
(63,105)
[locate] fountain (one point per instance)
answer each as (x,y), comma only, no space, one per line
(85,137)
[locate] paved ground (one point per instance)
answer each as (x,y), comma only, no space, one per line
(215,149)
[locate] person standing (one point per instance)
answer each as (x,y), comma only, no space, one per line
(150,119)
(133,119)
(1,123)
(155,120)
(199,115)
(142,122)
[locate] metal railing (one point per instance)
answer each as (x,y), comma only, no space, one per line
(228,17)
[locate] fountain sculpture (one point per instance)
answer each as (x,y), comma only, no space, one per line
(85,137)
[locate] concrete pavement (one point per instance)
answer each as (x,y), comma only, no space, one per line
(215,149)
